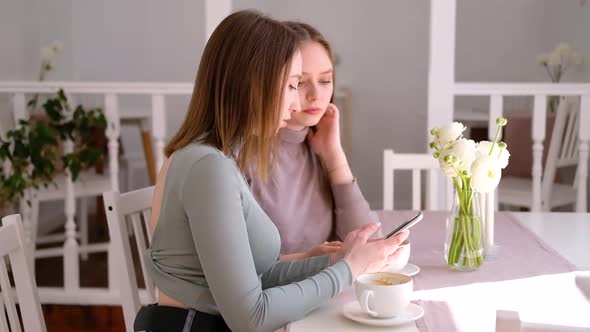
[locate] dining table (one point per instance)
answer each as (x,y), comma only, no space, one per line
(532,270)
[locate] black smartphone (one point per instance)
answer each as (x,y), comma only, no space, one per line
(405,225)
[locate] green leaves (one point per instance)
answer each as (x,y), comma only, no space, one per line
(32,150)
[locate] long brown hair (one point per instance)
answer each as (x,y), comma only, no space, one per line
(236,103)
(305,33)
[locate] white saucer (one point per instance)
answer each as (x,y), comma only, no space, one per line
(352,310)
(409,270)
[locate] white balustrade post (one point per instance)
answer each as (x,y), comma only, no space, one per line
(583,147)
(20,113)
(538,135)
(26,211)
(488,212)
(19,108)
(388,195)
(441,75)
(496,110)
(488,204)
(159,127)
(71,248)
(113,131)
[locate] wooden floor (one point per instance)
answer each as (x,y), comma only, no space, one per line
(93,273)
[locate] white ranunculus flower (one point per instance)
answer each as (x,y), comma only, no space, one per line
(554,59)
(503,157)
(464,152)
(483,149)
(449,133)
(47,55)
(563,49)
(543,58)
(57,46)
(447,169)
(577,58)
(485,174)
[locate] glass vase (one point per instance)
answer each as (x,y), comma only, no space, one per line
(464,232)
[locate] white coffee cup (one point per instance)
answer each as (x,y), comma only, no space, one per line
(402,259)
(383,294)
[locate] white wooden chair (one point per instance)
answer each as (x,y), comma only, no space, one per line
(12,244)
(562,152)
(136,207)
(416,163)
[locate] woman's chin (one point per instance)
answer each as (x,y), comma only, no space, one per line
(302,123)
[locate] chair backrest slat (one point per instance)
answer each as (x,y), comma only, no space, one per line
(141,247)
(119,208)
(147,217)
(12,244)
(416,189)
(3,323)
(417,163)
(6,289)
(563,147)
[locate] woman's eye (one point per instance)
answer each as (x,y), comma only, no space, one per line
(325,82)
(292,88)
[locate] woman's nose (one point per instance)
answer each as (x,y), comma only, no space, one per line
(296,106)
(312,94)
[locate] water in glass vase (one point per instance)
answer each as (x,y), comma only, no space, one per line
(464,232)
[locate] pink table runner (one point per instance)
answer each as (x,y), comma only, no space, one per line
(521,254)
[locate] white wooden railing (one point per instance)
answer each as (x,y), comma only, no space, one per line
(443,88)
(72,293)
(540,92)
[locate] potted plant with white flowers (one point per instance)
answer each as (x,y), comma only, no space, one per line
(556,64)
(474,168)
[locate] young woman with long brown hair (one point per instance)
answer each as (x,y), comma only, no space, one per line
(311,194)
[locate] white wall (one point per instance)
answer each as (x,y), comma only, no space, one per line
(498,41)
(11,50)
(12,39)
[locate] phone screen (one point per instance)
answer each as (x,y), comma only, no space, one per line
(405,225)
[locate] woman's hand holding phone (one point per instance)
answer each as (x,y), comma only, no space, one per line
(363,255)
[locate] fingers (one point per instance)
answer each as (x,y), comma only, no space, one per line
(365,231)
(330,249)
(333,110)
(396,255)
(398,239)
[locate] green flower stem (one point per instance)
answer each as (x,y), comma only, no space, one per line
(465,246)
(456,242)
(495,139)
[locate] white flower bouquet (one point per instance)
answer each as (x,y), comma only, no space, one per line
(474,168)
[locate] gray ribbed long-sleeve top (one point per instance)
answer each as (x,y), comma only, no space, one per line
(214,249)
